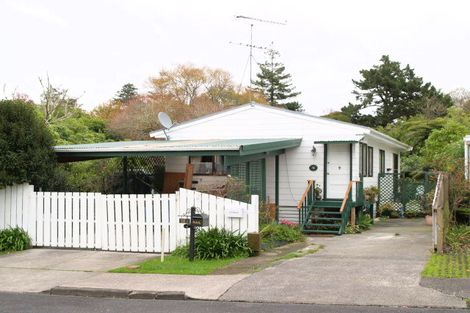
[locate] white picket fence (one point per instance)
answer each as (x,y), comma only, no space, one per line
(139,223)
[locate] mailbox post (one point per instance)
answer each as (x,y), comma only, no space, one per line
(195,220)
(192,235)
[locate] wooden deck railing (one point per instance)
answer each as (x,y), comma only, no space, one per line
(307,192)
(348,207)
(347,196)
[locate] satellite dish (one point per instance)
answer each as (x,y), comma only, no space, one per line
(165,120)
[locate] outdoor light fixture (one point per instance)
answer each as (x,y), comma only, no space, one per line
(314,150)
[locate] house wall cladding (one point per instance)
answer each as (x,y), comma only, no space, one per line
(117,222)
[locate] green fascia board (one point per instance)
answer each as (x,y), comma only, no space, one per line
(100,154)
(269,146)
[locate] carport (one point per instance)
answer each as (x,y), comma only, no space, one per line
(243,158)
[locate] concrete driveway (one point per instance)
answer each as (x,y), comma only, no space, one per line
(379,267)
(36,270)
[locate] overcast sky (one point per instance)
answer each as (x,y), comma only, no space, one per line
(94,47)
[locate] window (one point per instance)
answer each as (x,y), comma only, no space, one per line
(366,164)
(208,165)
(382,161)
(370,161)
(363,164)
(395,163)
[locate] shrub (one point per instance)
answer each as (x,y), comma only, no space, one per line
(220,244)
(273,234)
(14,239)
(236,189)
(289,223)
(371,193)
(25,144)
(267,213)
(388,209)
(458,238)
(181,251)
(365,222)
(413,212)
(350,229)
(462,216)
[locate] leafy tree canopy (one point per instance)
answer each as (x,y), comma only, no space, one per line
(80,128)
(26,153)
(394,92)
(184,92)
(275,84)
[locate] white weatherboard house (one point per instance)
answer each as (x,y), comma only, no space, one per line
(330,152)
(281,155)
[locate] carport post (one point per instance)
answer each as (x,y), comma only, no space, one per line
(124,170)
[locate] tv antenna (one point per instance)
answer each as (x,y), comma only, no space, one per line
(166,122)
(250,45)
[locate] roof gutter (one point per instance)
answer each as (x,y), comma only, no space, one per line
(378,135)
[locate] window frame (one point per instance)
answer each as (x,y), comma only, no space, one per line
(382,168)
(370,161)
(363,160)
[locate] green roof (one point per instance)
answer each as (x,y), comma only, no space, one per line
(228,147)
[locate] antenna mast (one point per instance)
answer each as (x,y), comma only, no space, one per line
(250,45)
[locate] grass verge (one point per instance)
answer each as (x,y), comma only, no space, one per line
(177,265)
(300,253)
(448,266)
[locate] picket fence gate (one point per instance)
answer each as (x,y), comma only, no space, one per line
(115,222)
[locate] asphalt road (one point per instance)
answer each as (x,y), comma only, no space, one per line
(37,303)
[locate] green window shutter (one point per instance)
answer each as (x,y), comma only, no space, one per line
(238,171)
(253,174)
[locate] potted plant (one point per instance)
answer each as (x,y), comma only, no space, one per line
(371,193)
(318,192)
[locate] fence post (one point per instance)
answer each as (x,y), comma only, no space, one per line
(101,223)
(440,211)
(31,211)
(253,215)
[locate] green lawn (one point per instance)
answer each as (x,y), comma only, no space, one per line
(177,265)
(448,266)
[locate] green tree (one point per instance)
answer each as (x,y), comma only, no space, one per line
(339,116)
(394,92)
(276,84)
(26,153)
(127,92)
(80,128)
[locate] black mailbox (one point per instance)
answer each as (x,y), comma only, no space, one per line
(194,220)
(200,220)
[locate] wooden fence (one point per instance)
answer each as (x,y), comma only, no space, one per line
(139,223)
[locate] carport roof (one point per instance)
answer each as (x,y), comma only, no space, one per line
(229,147)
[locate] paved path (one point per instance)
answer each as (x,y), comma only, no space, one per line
(38,270)
(379,267)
